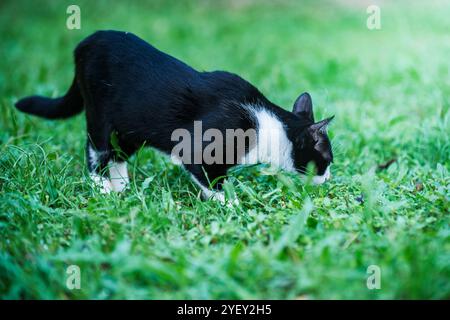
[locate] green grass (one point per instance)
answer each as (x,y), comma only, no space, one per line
(389,90)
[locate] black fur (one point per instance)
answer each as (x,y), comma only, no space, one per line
(130,88)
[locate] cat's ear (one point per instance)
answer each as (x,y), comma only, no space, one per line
(303,106)
(321,126)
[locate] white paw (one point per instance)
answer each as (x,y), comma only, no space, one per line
(119,176)
(220,197)
(119,185)
(104,185)
(232,203)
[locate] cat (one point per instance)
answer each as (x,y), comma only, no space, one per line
(141,95)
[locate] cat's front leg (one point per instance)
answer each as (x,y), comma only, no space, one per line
(215,194)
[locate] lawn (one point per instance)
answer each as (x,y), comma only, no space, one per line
(389,89)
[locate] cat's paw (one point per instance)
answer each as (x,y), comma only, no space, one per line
(119,185)
(231,203)
(119,176)
(220,197)
(103,184)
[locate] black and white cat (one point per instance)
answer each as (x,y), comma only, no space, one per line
(142,95)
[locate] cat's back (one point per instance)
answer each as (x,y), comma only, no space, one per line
(229,86)
(115,43)
(128,53)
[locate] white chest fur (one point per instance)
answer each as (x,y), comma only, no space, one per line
(273,146)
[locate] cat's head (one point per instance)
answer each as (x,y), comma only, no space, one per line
(311,144)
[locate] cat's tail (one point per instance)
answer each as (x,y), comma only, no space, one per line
(58,108)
